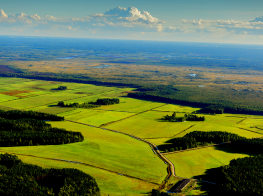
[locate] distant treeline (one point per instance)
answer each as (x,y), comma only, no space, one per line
(99,102)
(21,179)
(230,101)
(17,114)
(17,129)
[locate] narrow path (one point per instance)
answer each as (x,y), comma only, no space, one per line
(249,130)
(184,130)
(131,116)
(85,164)
(170,165)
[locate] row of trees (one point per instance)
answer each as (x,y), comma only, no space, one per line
(17,114)
(21,179)
(99,102)
(199,138)
(77,105)
(186,117)
(212,109)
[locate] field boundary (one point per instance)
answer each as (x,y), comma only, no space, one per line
(102,125)
(85,164)
(178,151)
(170,165)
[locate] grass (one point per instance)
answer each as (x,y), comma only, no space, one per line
(104,149)
(148,125)
(31,102)
(109,183)
(4,98)
(54,109)
(95,117)
(132,105)
(193,163)
(178,108)
(114,151)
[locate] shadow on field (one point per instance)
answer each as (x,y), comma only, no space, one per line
(213,178)
(229,148)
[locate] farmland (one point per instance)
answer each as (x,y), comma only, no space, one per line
(121,165)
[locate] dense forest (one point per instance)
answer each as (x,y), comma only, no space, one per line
(21,179)
(228,102)
(27,128)
(243,176)
(17,114)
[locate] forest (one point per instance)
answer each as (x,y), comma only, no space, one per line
(243,176)
(27,128)
(21,179)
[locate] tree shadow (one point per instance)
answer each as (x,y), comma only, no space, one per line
(211,181)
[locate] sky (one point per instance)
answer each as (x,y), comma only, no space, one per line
(224,21)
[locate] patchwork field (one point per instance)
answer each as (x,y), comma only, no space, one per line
(117,153)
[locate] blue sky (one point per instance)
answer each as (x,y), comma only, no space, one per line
(225,21)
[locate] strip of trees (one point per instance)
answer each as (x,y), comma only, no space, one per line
(186,117)
(21,179)
(99,102)
(17,114)
(199,138)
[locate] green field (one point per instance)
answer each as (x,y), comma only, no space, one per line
(114,151)
(109,183)
(193,163)
(103,149)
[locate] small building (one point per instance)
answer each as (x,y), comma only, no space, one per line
(179,186)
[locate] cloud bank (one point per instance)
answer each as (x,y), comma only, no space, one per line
(131,23)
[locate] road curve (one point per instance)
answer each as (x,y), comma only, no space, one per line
(170,165)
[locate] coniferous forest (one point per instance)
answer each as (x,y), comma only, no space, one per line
(24,128)
(21,179)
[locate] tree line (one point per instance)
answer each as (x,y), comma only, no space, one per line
(21,179)
(228,102)
(200,138)
(99,102)
(17,114)
(186,117)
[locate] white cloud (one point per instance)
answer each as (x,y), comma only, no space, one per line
(3,15)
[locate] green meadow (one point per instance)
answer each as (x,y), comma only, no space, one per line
(114,151)
(110,184)
(195,162)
